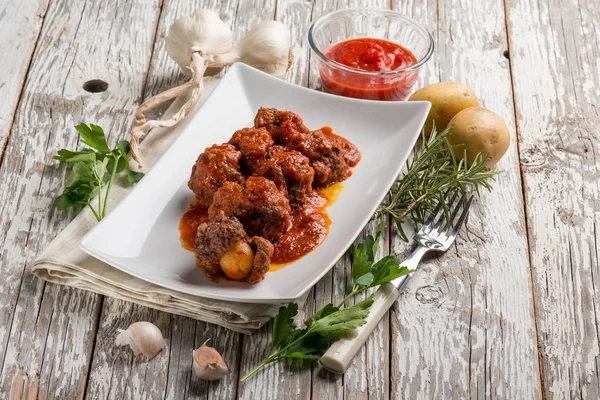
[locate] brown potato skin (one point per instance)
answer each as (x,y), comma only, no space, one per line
(481,131)
(447,99)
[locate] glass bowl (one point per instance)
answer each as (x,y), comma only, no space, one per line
(346,24)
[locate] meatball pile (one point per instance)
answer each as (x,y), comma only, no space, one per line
(252,184)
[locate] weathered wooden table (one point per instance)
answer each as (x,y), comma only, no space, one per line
(511,312)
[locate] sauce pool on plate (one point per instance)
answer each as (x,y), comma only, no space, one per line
(310,225)
(370,55)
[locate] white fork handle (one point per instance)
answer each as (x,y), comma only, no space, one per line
(339,355)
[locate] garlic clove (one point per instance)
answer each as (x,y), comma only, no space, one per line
(267,47)
(143,337)
(202,32)
(208,363)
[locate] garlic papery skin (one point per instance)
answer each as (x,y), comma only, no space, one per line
(208,363)
(265,47)
(202,32)
(143,337)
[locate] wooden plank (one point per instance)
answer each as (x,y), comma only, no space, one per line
(554,53)
(464,324)
(20,24)
(47,329)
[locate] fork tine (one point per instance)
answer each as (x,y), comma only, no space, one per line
(431,218)
(434,216)
(441,219)
(462,218)
(454,213)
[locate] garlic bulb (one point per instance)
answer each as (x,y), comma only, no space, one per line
(143,337)
(208,363)
(201,43)
(267,47)
(201,32)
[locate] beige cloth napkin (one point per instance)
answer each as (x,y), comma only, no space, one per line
(63,262)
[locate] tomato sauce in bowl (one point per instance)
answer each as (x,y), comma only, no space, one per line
(369,54)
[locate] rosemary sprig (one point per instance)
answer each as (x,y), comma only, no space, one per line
(432,170)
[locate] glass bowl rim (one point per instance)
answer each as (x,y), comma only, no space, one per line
(395,14)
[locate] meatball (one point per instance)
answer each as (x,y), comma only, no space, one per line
(279,123)
(216,239)
(258,204)
(330,156)
(351,153)
(291,172)
(253,143)
(263,251)
(213,240)
(215,166)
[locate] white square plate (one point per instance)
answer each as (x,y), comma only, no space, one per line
(141,237)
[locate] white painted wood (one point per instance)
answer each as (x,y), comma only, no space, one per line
(555,60)
(20,24)
(46,329)
(463,326)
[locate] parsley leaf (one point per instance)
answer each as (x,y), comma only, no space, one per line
(283,324)
(93,136)
(91,169)
(323,312)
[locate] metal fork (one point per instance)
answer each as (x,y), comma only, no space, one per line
(436,234)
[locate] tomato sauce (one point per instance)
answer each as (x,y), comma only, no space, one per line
(309,227)
(371,55)
(188,225)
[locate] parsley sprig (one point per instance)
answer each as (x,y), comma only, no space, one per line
(332,322)
(91,169)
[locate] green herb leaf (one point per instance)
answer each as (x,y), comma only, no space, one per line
(299,360)
(283,325)
(363,256)
(323,312)
(91,170)
(311,343)
(124,146)
(100,169)
(65,156)
(81,172)
(93,136)
(88,157)
(387,269)
(358,311)
(133,176)
(365,280)
(64,201)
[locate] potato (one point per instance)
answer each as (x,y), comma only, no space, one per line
(447,99)
(481,131)
(237,262)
